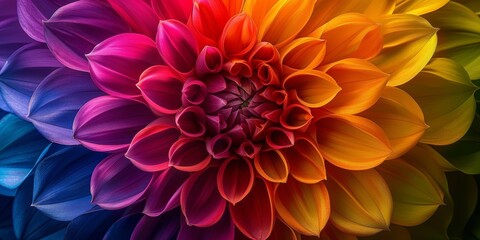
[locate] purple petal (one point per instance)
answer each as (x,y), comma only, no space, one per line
(223,229)
(76,28)
(164,193)
(23,72)
(116,183)
(201,203)
(189,154)
(209,61)
(56,101)
(117,62)
(219,146)
(108,124)
(164,227)
(32,13)
(138,14)
(191,121)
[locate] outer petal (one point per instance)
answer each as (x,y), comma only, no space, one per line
(362,84)
(200,201)
(123,228)
(223,229)
(404,57)
(235,179)
(418,7)
(116,63)
(361,201)
(400,117)
(108,124)
(173,9)
(56,101)
(254,215)
(76,28)
(416,195)
(352,142)
(138,14)
(445,93)
(306,161)
(61,188)
(92,224)
(303,53)
(116,183)
(166,226)
(303,207)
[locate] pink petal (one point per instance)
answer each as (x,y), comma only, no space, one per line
(138,14)
(194,92)
(191,121)
(173,9)
(209,61)
(219,146)
(235,179)
(189,154)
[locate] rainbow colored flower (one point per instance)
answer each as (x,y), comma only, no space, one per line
(233,119)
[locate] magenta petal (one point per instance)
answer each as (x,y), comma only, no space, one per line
(189,154)
(247,149)
(278,138)
(209,61)
(138,14)
(108,124)
(165,192)
(173,9)
(223,229)
(162,88)
(219,146)
(149,148)
(235,179)
(116,183)
(194,92)
(200,201)
(117,63)
(177,45)
(191,121)
(76,28)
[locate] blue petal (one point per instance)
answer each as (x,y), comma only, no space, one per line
(20,147)
(22,73)
(92,225)
(123,228)
(28,222)
(56,101)
(62,181)
(6,225)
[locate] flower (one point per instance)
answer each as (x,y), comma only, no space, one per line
(254,119)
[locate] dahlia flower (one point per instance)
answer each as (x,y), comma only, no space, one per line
(229,119)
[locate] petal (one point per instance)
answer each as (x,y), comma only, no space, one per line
(239,36)
(254,215)
(416,195)
(77,27)
(189,154)
(303,53)
(172,9)
(257,9)
(32,13)
(138,14)
(361,201)
(284,21)
(166,226)
(209,60)
(282,231)
(303,207)
(352,142)
(306,161)
(278,138)
(400,117)
(313,88)
(123,228)
(164,193)
(22,73)
(116,183)
(209,18)
(235,179)
(194,92)
(12,35)
(223,229)
(405,53)
(191,121)
(177,45)
(149,148)
(418,7)
(200,200)
(55,103)
(272,165)
(446,95)
(296,117)
(20,148)
(92,224)
(362,84)
(103,123)
(116,63)
(352,35)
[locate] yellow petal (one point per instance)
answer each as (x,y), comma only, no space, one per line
(416,196)
(445,93)
(303,207)
(314,88)
(272,166)
(418,7)
(303,53)
(306,161)
(352,142)
(400,117)
(409,43)
(284,20)
(361,201)
(361,83)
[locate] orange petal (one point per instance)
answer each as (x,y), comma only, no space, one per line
(233,6)
(209,18)
(330,232)
(314,88)
(303,207)
(257,9)
(361,83)
(306,161)
(416,196)
(239,36)
(418,7)
(405,51)
(272,166)
(352,35)
(352,142)
(303,53)
(235,179)
(400,117)
(361,201)
(254,215)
